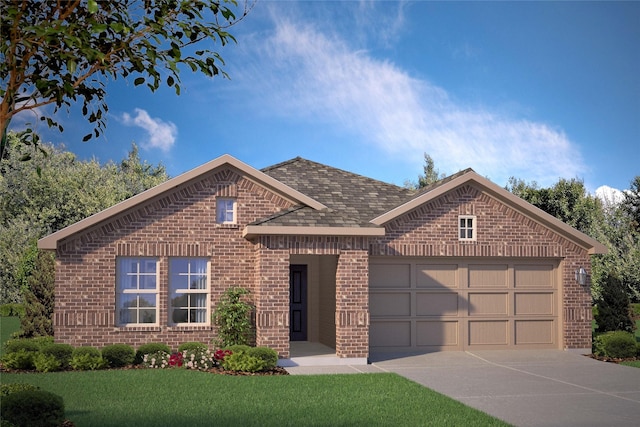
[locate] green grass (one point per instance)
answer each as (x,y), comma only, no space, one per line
(170,397)
(8,325)
(634,363)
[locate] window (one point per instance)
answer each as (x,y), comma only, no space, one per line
(189,290)
(467,227)
(137,291)
(225,211)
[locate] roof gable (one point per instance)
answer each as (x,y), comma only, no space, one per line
(468,176)
(50,242)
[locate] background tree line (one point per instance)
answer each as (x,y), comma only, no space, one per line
(33,205)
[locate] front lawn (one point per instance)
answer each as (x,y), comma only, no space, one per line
(172,397)
(8,325)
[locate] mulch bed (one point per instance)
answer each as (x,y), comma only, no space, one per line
(217,370)
(613,359)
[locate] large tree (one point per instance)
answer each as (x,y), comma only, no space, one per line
(62,52)
(66,191)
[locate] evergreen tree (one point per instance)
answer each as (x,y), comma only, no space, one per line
(613,309)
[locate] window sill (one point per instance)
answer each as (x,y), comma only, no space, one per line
(139,328)
(228,226)
(203,327)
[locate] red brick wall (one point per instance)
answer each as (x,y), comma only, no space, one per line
(181,223)
(432,231)
(352,304)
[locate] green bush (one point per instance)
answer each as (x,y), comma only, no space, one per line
(616,344)
(157,359)
(243,362)
(232,318)
(46,362)
(87,359)
(152,347)
(21,359)
(118,355)
(87,362)
(26,344)
(238,348)
(7,389)
(268,355)
(33,408)
(635,310)
(193,345)
(198,359)
(62,353)
(12,309)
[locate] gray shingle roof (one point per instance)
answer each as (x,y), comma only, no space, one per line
(352,199)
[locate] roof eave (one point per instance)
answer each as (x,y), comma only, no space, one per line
(251,231)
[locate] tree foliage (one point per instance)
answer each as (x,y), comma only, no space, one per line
(431,174)
(615,227)
(66,191)
(613,308)
(62,52)
(232,318)
(38,294)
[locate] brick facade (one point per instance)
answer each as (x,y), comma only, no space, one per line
(181,223)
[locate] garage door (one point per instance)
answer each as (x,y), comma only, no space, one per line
(432,304)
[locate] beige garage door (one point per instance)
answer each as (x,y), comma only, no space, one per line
(431,304)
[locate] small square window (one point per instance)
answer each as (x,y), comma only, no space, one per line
(225,211)
(467,227)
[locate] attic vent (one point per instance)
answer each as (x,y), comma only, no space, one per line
(226,189)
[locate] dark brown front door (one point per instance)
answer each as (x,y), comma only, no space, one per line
(298,303)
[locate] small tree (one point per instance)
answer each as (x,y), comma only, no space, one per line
(232,318)
(39,297)
(613,309)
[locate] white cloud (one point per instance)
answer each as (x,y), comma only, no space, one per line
(160,134)
(610,197)
(304,73)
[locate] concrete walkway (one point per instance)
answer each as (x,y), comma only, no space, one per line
(524,388)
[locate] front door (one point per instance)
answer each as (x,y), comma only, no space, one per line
(298,302)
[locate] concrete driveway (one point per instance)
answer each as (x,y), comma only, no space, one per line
(528,388)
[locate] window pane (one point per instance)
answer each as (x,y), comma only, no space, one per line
(179,315)
(470,222)
(198,300)
(148,282)
(462,222)
(148,266)
(147,316)
(469,234)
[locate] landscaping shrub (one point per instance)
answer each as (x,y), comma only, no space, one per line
(614,313)
(7,389)
(62,353)
(616,344)
(199,359)
(157,359)
(12,309)
(21,359)
(243,362)
(87,359)
(26,344)
(46,362)
(33,408)
(268,355)
(239,348)
(119,355)
(149,348)
(193,345)
(232,318)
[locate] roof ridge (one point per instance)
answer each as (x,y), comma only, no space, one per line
(278,165)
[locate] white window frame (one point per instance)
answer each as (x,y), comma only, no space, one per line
(223,203)
(467,224)
(121,291)
(188,292)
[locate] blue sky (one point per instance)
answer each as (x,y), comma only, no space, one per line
(538,91)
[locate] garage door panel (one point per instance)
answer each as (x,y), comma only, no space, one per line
(534,276)
(535,332)
(437,276)
(464,303)
(490,332)
(390,334)
(437,333)
(534,303)
(436,304)
(390,276)
(488,276)
(482,304)
(390,304)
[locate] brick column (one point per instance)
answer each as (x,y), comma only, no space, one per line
(577,304)
(272,299)
(352,304)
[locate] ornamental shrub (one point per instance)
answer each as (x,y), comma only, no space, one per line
(87,359)
(614,311)
(12,309)
(193,345)
(7,389)
(20,359)
(152,347)
(46,362)
(119,355)
(243,362)
(62,352)
(33,408)
(157,359)
(199,359)
(268,355)
(616,344)
(26,344)
(239,348)
(232,318)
